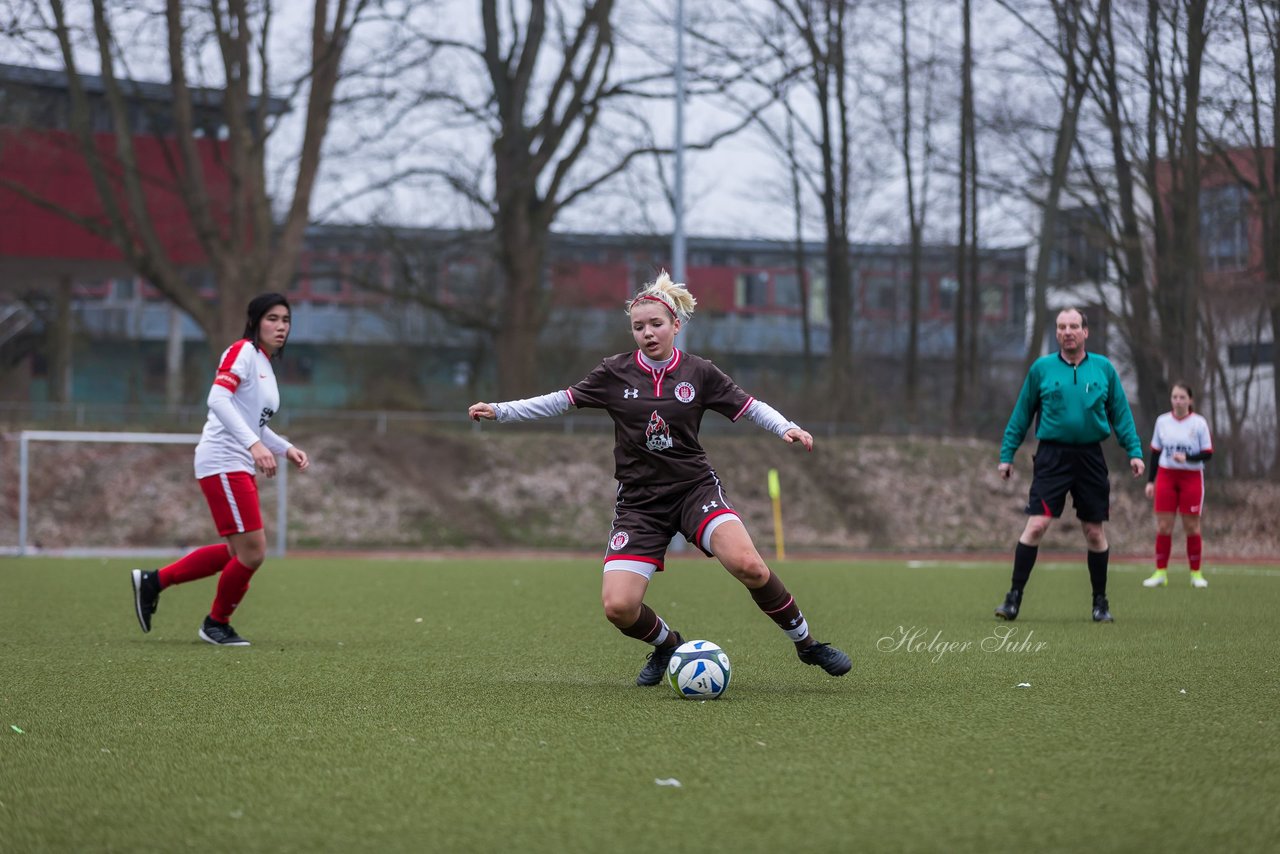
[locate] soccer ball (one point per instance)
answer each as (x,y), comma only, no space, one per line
(699,670)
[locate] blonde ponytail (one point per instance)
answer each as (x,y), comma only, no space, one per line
(674,296)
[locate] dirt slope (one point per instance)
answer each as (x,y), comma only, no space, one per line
(507,489)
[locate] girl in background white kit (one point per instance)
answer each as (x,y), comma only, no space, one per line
(1180,446)
(235,446)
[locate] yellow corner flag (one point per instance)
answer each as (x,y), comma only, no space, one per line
(775,495)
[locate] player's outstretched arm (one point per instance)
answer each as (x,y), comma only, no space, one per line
(796,434)
(478,411)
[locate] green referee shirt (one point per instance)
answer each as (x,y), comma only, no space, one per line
(1076,404)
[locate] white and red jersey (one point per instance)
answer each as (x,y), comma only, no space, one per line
(243,399)
(1188,435)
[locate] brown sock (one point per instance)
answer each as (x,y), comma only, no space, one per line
(650,628)
(780,606)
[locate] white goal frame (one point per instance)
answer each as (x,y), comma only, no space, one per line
(26,437)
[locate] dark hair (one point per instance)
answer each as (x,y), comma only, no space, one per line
(1084,319)
(1191,394)
(259,306)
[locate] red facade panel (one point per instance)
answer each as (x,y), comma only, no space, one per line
(49,166)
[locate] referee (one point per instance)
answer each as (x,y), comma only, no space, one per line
(1077,400)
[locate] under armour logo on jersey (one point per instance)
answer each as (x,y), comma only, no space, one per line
(707,507)
(631,392)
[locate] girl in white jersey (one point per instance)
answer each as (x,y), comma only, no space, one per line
(235,446)
(1179,448)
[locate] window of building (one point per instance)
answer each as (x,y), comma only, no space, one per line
(1253,353)
(325,277)
(1224,227)
(992,297)
(298,369)
(1079,251)
(367,273)
(751,290)
(948,286)
(462,277)
(881,294)
(818,297)
(786,290)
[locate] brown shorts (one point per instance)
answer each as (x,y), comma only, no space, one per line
(645,518)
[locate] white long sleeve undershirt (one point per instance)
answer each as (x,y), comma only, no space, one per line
(769,418)
(543,406)
(557,403)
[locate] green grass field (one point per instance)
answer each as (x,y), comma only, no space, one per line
(486,705)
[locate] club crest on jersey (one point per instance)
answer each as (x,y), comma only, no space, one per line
(619,540)
(657,436)
(685,392)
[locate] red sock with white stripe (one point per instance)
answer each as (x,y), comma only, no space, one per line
(201,563)
(1164,545)
(1194,545)
(232,585)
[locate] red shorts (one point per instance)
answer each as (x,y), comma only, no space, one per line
(1179,491)
(233,500)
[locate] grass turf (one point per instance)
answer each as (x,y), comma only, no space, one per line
(486,705)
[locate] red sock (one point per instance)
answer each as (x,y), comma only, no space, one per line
(1164,545)
(201,563)
(232,585)
(1193,551)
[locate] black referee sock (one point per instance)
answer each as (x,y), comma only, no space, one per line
(1098,571)
(1024,560)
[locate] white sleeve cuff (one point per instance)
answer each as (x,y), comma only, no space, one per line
(274,442)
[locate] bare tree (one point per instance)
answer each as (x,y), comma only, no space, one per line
(228,205)
(1127,250)
(966,320)
(543,119)
(789,56)
(917,199)
(820,28)
(1074,41)
(1256,170)
(1179,269)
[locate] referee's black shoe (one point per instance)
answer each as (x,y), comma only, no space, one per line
(1008,610)
(827,657)
(146,595)
(656,666)
(1101,609)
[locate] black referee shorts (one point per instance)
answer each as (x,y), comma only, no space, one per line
(1077,469)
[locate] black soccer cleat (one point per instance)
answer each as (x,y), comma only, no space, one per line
(220,634)
(656,666)
(1101,609)
(827,657)
(146,595)
(1008,610)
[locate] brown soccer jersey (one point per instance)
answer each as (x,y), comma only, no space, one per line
(656,414)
